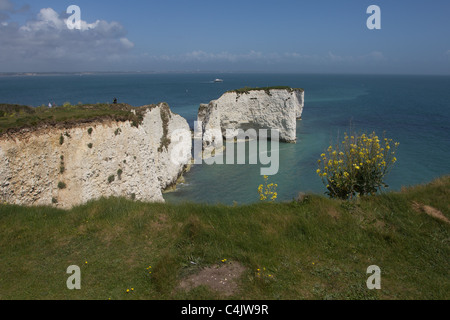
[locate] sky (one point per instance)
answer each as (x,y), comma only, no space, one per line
(320,36)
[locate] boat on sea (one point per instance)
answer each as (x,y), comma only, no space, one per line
(218,80)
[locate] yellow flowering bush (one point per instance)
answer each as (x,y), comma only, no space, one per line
(267,191)
(357,166)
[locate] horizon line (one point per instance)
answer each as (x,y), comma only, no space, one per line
(37,73)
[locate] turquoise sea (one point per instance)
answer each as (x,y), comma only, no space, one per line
(413,110)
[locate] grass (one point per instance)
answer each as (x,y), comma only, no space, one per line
(165,118)
(317,249)
(246,90)
(17,117)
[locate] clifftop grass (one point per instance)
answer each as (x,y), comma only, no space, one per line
(247,90)
(17,117)
(317,249)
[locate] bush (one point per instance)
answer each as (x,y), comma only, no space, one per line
(267,191)
(111,178)
(357,166)
(61,185)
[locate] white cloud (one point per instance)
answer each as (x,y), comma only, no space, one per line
(267,58)
(47,43)
(221,56)
(370,57)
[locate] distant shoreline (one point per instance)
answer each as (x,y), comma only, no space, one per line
(85,73)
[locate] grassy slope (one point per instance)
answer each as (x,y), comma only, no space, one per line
(317,249)
(14,117)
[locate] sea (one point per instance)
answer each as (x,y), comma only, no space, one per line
(411,110)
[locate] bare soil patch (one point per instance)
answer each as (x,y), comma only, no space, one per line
(433,212)
(221,278)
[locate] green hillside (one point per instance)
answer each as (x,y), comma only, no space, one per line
(314,249)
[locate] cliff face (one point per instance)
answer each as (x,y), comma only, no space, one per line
(67,167)
(253,109)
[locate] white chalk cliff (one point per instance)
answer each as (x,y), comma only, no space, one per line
(70,166)
(260,108)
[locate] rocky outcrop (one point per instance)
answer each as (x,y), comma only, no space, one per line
(70,166)
(259,108)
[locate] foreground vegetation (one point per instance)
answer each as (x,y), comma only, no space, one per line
(315,249)
(357,166)
(16,117)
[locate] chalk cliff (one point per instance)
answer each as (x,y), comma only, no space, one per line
(259,108)
(67,166)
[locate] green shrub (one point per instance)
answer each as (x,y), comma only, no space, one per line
(61,185)
(90,145)
(90,131)
(61,139)
(357,166)
(111,178)
(267,191)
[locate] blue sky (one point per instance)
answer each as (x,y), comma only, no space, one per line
(322,36)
